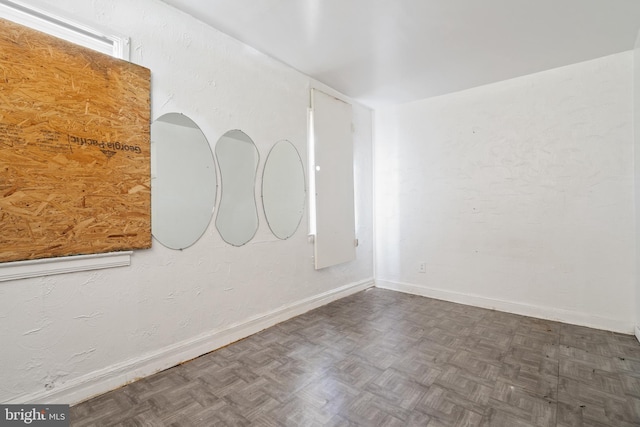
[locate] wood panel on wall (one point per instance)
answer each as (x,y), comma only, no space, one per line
(74,149)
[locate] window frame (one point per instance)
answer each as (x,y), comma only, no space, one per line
(112,44)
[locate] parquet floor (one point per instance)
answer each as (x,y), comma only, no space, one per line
(382,358)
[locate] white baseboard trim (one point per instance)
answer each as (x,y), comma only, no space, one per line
(114,376)
(637,333)
(548,313)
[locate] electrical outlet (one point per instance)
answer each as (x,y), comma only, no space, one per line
(423,267)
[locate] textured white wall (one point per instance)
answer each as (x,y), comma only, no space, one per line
(64,337)
(517,195)
(636,152)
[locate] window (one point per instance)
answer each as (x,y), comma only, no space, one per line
(110,44)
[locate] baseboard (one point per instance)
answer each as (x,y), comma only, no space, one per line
(637,333)
(548,313)
(117,375)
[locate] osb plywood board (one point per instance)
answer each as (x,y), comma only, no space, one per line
(74,149)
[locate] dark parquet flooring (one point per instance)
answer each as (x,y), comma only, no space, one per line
(382,358)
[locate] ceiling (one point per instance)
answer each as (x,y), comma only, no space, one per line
(382,52)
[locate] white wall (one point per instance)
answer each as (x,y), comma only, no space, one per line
(67,337)
(516,195)
(636,152)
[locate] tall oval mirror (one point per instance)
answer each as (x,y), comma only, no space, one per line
(283,189)
(237,219)
(183,181)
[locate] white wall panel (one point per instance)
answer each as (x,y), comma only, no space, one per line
(516,195)
(636,152)
(334,197)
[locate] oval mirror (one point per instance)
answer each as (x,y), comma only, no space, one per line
(183,181)
(283,189)
(238,157)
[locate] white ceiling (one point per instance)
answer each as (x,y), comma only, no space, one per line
(382,52)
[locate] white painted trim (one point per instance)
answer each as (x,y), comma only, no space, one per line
(57,25)
(122,373)
(637,333)
(311,176)
(49,266)
(374,198)
(548,313)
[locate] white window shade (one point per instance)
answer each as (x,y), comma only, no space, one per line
(332,145)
